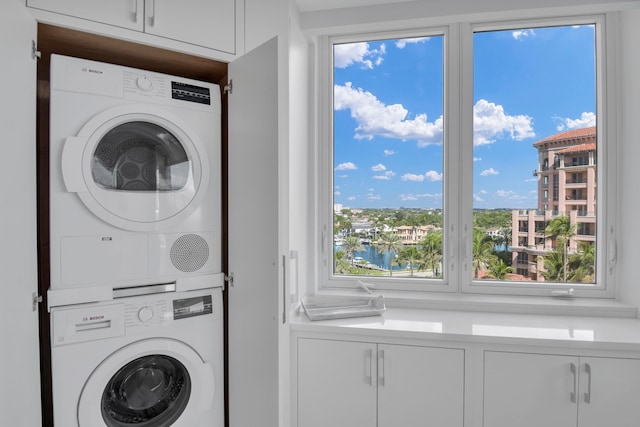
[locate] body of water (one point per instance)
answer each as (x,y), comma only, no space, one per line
(371,254)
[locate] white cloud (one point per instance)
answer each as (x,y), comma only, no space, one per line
(412,177)
(386,176)
(352,198)
(348,166)
(490,122)
(357,53)
(379,168)
(509,194)
(429,176)
(488,172)
(374,118)
(414,197)
(586,120)
(477,159)
(400,44)
(433,176)
(373,197)
(522,34)
(477,198)
(389,152)
(336,193)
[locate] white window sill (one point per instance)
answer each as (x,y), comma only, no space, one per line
(556,306)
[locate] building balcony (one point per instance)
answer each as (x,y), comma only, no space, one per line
(585,237)
(576,185)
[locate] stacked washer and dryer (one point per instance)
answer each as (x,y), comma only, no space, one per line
(136,282)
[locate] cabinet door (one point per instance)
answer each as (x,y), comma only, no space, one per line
(609,392)
(121,13)
(530,390)
(257,338)
(420,386)
(20,373)
(206,23)
(336,384)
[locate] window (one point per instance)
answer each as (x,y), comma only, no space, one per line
(388,158)
(432,146)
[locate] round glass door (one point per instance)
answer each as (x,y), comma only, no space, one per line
(154,382)
(152,390)
(140,156)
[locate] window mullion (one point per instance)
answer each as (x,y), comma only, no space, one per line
(465,217)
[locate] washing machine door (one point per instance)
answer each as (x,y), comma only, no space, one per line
(153,382)
(137,167)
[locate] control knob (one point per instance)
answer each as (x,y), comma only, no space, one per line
(144,83)
(145,314)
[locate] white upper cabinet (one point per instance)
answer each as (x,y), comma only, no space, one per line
(121,13)
(203,24)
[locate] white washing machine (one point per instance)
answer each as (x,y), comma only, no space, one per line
(134,177)
(150,360)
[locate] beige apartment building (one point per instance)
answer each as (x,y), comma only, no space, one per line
(412,235)
(566,186)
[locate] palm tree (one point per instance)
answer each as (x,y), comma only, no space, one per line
(341,264)
(391,243)
(499,270)
(482,254)
(582,263)
(507,232)
(409,255)
(553,266)
(561,229)
(431,249)
(351,245)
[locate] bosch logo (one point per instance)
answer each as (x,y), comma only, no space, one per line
(92,318)
(92,71)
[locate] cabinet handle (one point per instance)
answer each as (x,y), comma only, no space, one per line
(152,13)
(134,13)
(574,372)
(368,362)
(381,368)
(587,395)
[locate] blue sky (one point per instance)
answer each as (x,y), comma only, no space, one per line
(388,98)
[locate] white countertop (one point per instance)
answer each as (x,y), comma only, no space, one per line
(483,327)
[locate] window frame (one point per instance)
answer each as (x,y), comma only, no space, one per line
(458,160)
(327,278)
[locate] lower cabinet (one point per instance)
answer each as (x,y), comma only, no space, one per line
(533,390)
(363,384)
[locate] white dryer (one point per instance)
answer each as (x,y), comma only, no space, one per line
(154,360)
(134,176)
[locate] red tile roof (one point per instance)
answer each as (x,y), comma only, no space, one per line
(569,135)
(579,148)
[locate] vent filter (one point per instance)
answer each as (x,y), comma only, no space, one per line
(189,253)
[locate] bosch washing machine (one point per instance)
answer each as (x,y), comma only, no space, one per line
(134,180)
(147,360)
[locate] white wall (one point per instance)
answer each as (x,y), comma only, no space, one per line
(301,166)
(629,228)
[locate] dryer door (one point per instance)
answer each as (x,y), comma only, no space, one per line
(136,167)
(153,382)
